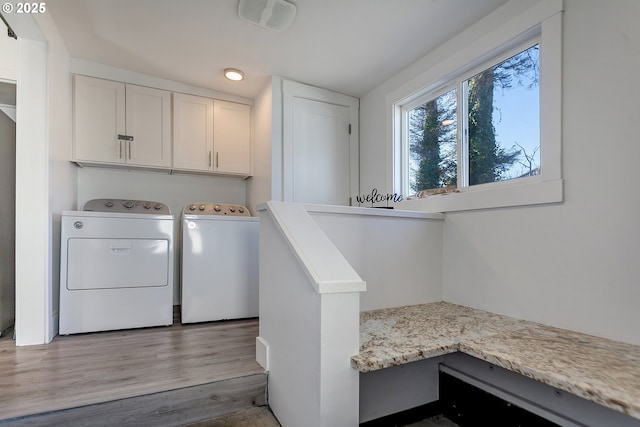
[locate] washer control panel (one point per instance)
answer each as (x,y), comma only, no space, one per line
(215,209)
(127,206)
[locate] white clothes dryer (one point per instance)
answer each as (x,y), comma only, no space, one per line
(219,262)
(116,266)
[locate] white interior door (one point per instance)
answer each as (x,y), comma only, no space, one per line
(320,152)
(320,145)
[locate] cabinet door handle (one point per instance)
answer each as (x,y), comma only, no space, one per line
(210,156)
(120,142)
(217,159)
(130,147)
(124,139)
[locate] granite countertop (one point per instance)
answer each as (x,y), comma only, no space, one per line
(600,370)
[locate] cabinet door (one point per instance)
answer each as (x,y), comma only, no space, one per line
(98,117)
(232,138)
(149,123)
(192,132)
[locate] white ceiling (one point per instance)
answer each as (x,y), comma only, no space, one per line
(349,46)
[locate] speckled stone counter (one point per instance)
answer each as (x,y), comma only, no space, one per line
(600,370)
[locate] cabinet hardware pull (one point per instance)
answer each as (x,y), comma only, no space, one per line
(125,139)
(120,142)
(217,159)
(210,156)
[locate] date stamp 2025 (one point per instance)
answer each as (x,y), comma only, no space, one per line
(24,8)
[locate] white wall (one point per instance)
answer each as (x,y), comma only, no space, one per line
(399,258)
(33,239)
(175,190)
(571,264)
(309,321)
(44,184)
(62,173)
(259,185)
(266,183)
(288,373)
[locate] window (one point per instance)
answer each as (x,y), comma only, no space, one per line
(502,120)
(432,139)
(499,134)
(483,118)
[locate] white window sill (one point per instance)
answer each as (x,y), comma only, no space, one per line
(489,196)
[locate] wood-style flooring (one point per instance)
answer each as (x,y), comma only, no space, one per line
(86,369)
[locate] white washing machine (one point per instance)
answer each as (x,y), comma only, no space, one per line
(116,266)
(219,262)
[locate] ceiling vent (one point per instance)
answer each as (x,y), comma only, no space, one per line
(272,14)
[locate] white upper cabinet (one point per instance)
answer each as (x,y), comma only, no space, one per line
(149,123)
(192,133)
(211,135)
(232,138)
(98,117)
(117,123)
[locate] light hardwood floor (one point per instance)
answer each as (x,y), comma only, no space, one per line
(85,369)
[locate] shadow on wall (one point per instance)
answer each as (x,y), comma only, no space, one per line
(7,218)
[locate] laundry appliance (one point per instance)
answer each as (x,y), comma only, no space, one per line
(116,266)
(219,263)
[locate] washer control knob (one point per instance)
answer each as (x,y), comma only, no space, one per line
(241,210)
(217,208)
(108,204)
(201,207)
(157,207)
(192,207)
(129,204)
(232,208)
(147,205)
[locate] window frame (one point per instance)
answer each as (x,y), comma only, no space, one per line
(462,141)
(542,21)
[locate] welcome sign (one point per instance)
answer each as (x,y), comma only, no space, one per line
(375,197)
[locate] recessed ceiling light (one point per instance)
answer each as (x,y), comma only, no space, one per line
(234,74)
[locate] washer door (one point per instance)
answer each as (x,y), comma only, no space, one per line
(117,263)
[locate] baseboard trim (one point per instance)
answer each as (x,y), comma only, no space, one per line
(262,353)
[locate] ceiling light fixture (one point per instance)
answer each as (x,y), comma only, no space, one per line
(234,74)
